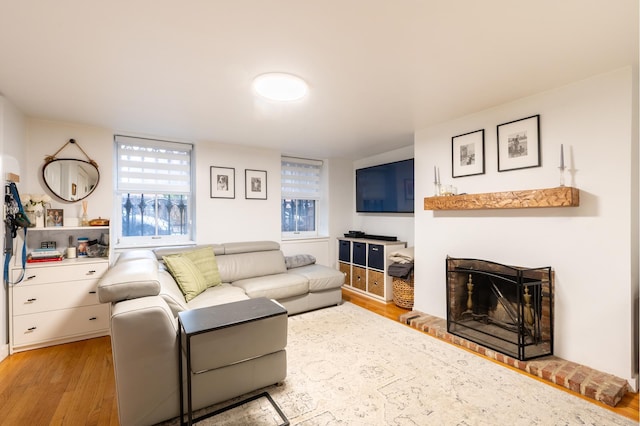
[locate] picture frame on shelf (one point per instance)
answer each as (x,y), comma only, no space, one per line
(55,218)
(222,182)
(255,182)
(519,144)
(467,154)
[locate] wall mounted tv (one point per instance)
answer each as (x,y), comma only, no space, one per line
(386,188)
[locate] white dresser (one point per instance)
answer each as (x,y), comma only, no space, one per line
(56,302)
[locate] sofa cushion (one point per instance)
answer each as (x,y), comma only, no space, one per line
(205,261)
(299,260)
(278,286)
(320,277)
(129,280)
(187,275)
(159,252)
(223,293)
(171,293)
(250,247)
(239,266)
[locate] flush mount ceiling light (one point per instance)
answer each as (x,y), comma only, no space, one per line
(278,86)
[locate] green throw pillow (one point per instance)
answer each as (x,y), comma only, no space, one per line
(187,275)
(205,261)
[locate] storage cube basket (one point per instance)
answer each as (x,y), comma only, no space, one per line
(403,292)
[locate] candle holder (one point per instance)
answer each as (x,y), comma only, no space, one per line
(561,168)
(436,187)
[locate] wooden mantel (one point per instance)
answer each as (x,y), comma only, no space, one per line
(562,196)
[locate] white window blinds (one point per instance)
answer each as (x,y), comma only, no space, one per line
(300,178)
(146,165)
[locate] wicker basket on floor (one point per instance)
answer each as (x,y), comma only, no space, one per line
(403,292)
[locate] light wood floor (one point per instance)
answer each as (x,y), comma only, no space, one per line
(73,384)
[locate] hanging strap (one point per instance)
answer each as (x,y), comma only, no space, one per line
(20,219)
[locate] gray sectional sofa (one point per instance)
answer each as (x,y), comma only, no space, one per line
(146,300)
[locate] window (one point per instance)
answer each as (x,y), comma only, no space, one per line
(153,191)
(301,192)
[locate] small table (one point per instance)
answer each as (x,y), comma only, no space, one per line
(198,321)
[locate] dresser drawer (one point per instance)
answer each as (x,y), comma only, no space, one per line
(60,273)
(48,297)
(45,326)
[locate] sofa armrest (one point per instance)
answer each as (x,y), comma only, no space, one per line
(145,357)
(129,280)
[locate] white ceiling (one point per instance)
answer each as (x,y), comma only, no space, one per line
(378,69)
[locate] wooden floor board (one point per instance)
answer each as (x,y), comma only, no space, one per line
(74,384)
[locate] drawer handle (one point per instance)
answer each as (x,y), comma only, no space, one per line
(31,328)
(91,272)
(93,319)
(374,249)
(92,292)
(30,277)
(31,300)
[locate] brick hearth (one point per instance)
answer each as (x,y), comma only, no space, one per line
(591,383)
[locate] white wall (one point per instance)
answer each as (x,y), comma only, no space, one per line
(589,247)
(223,220)
(341,203)
(13,152)
(400,225)
(45,137)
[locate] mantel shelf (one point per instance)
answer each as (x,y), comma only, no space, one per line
(563,196)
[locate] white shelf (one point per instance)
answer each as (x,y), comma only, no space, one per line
(66,228)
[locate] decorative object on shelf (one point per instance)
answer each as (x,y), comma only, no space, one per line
(71,252)
(436,181)
(519,144)
(84,219)
(255,184)
(467,154)
(34,206)
(55,217)
(448,190)
(70,179)
(83,244)
(222,182)
(99,222)
(533,198)
(561,165)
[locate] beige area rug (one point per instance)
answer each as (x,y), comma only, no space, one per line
(349,366)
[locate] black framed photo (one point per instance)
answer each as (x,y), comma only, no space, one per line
(467,154)
(519,144)
(223,182)
(255,182)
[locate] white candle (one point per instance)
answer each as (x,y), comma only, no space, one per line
(438,175)
(435,175)
(562,156)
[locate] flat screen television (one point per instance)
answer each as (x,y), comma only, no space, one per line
(385,188)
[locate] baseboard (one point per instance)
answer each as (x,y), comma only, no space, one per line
(4,352)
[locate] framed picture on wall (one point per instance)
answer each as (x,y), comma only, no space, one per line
(255,182)
(223,182)
(467,154)
(519,144)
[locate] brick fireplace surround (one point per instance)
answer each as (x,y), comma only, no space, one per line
(586,381)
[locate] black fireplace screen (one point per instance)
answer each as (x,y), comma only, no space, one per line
(505,308)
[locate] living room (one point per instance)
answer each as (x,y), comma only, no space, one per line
(593,249)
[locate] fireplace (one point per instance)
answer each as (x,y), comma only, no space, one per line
(505,308)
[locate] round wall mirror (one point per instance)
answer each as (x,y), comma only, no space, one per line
(70,179)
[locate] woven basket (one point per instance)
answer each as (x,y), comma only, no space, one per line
(403,292)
